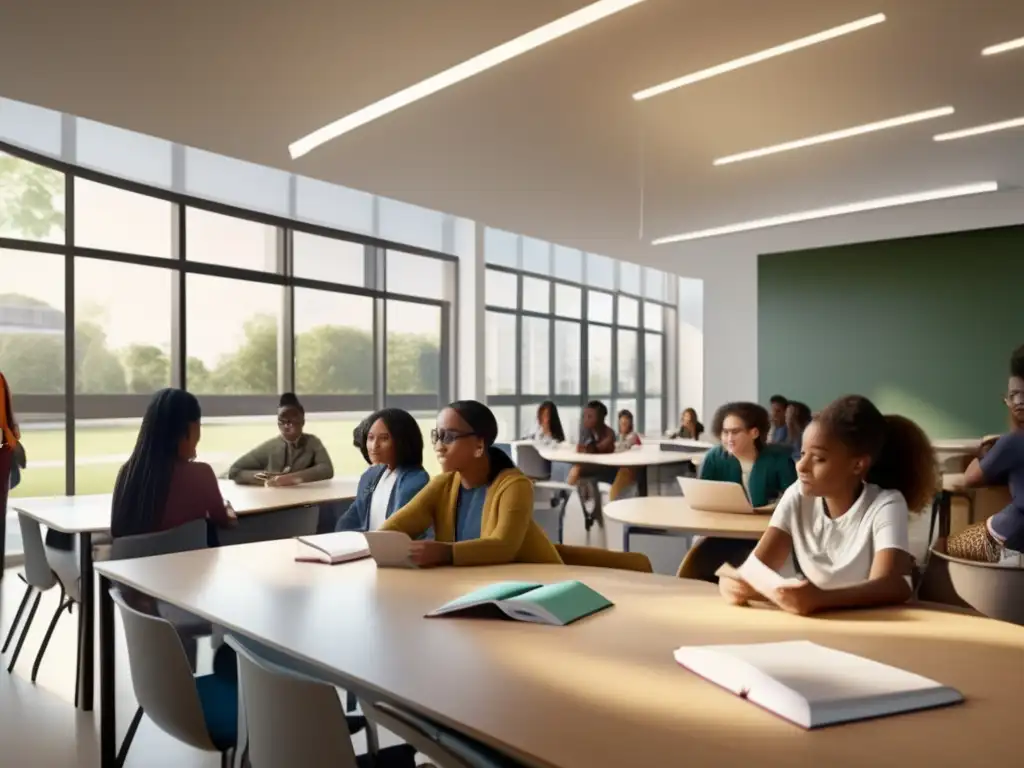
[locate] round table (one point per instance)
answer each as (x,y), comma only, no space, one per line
(636,458)
(672,516)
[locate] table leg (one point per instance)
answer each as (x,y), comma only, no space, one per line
(626,530)
(86,625)
(641,482)
(108,733)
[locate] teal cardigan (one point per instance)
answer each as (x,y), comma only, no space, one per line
(771,475)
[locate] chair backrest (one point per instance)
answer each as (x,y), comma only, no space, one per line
(183,538)
(38,572)
(291,719)
(161,676)
(992,590)
(530,462)
(596,557)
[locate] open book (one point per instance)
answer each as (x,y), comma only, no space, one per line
(390,549)
(332,548)
(558,604)
(811,685)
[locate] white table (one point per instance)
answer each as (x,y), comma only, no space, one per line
(600,693)
(636,458)
(84,516)
(672,516)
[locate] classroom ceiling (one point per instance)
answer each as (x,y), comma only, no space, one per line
(550,144)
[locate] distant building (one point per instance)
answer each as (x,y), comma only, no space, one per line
(23,314)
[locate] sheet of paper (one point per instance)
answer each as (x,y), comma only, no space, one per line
(762,578)
(390,549)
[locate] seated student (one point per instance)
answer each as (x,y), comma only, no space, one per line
(778,433)
(481,508)
(548,428)
(798,416)
(690,427)
(845,523)
(595,437)
(292,458)
(161,486)
(394,445)
(624,441)
(1000,539)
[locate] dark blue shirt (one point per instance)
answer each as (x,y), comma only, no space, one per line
(1005,464)
(469,513)
(779,435)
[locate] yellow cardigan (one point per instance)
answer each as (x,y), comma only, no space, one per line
(508,533)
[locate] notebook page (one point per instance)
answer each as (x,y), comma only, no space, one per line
(762,578)
(337,544)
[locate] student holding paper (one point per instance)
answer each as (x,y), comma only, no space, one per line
(845,522)
(394,445)
(481,508)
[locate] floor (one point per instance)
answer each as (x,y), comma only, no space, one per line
(40,728)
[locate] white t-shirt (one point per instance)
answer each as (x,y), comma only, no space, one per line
(834,554)
(380,499)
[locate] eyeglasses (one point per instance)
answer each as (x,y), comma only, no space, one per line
(448,436)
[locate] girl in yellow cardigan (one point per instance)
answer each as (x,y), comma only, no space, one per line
(481,508)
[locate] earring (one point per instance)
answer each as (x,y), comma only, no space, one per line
(479,453)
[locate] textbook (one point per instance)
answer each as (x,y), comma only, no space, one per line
(390,549)
(814,686)
(332,548)
(558,604)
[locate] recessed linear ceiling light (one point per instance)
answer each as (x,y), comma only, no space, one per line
(845,133)
(1017,122)
(480,63)
(1009,45)
(836,210)
(754,58)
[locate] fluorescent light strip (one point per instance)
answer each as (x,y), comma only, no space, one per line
(480,63)
(836,210)
(845,133)
(1017,122)
(754,58)
(1009,45)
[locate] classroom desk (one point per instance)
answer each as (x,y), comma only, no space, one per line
(636,458)
(84,516)
(672,516)
(604,692)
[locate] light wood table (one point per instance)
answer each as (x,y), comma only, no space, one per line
(604,692)
(87,515)
(639,459)
(672,516)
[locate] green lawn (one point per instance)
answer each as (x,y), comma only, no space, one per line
(100,451)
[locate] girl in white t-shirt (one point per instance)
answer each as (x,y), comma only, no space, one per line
(845,520)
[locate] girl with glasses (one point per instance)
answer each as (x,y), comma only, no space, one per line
(481,507)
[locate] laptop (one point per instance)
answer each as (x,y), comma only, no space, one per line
(718,496)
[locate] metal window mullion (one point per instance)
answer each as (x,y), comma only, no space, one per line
(551,330)
(69,152)
(584,346)
(520,343)
(179,306)
(286,332)
(380,328)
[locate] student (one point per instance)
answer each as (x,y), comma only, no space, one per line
(481,508)
(778,433)
(626,439)
(798,416)
(394,445)
(1000,539)
(595,437)
(9,436)
(548,428)
(161,486)
(690,427)
(292,458)
(845,523)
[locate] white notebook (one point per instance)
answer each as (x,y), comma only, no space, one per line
(390,549)
(332,548)
(811,685)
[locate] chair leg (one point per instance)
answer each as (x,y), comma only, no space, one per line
(17,617)
(47,636)
(24,631)
(129,735)
(350,702)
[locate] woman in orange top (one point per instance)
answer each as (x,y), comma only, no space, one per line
(9,436)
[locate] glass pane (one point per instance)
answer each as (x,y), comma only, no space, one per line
(335,431)
(116,220)
(653,355)
(654,284)
(568,380)
(33,127)
(101,447)
(600,271)
(629,312)
(407,223)
(232,337)
(500,288)
(629,277)
(505,415)
(568,301)
(225,438)
(45,438)
(229,242)
(501,247)
(599,306)
(527,418)
(32,322)
(536,256)
(500,366)
(654,419)
(122,338)
(536,356)
(415,275)
(333,344)
(568,264)
(654,316)
(627,362)
(413,349)
(122,153)
(427,421)
(599,352)
(536,295)
(333,205)
(324,258)
(237,182)
(31,201)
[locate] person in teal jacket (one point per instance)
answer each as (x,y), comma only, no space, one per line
(765,471)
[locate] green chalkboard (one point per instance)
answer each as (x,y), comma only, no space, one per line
(923,326)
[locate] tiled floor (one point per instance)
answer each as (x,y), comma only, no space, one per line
(40,728)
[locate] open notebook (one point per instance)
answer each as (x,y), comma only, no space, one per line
(559,604)
(332,548)
(811,685)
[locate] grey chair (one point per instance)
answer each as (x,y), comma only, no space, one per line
(270,526)
(996,591)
